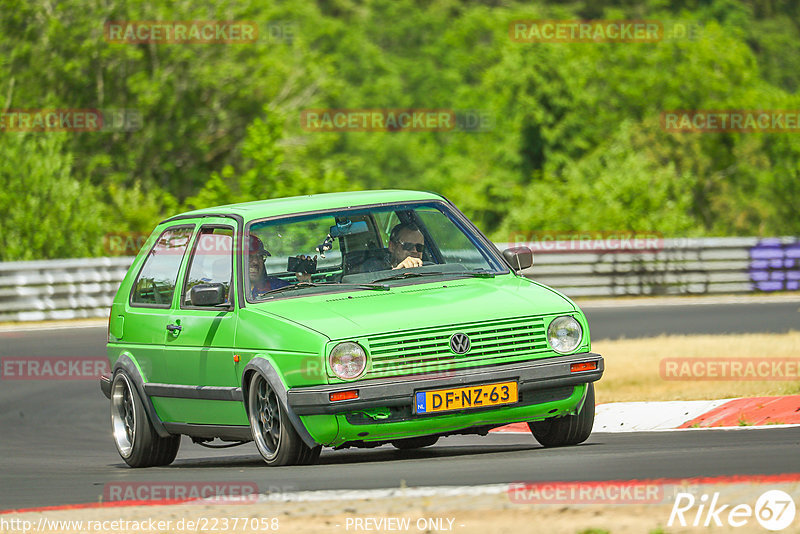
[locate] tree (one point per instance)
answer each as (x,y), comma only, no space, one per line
(47,213)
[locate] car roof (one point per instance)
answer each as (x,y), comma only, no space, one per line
(259,209)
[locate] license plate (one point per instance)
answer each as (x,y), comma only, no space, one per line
(441,400)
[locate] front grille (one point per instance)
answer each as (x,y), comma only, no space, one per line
(428,350)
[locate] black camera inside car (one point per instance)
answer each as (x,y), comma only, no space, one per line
(298,265)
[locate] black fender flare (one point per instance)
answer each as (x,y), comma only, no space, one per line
(267,370)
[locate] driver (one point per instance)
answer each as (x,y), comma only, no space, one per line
(260,281)
(406,244)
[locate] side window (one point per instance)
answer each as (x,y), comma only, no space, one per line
(453,244)
(211,261)
(386,220)
(155,285)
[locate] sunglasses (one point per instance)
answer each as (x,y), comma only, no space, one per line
(408,247)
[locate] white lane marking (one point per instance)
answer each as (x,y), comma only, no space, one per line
(660,415)
(102,323)
(751,427)
(394,493)
(629,302)
(701,428)
(388,493)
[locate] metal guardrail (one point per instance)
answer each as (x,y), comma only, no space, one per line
(59,289)
(680,267)
(83,288)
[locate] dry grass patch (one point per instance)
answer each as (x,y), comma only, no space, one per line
(632,366)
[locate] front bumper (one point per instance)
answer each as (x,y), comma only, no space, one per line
(544,373)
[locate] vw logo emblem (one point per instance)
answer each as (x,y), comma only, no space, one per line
(459,343)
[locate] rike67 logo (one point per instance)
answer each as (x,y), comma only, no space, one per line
(774,510)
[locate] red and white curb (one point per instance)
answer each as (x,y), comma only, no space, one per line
(746,412)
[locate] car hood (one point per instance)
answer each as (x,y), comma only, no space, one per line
(362,313)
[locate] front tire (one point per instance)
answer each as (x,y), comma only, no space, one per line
(568,430)
(275,437)
(136,439)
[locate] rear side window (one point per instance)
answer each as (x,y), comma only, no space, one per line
(155,285)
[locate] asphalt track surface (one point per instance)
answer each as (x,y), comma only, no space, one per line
(714,318)
(56,447)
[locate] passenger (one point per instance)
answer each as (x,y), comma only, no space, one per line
(260,281)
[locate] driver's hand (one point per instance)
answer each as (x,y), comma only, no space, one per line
(409,262)
(304,277)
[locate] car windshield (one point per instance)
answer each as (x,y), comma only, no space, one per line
(361,249)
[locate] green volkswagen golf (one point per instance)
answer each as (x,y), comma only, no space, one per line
(338,320)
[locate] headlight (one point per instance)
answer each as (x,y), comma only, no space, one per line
(564,334)
(348,360)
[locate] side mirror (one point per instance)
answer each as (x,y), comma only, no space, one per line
(207,295)
(519,257)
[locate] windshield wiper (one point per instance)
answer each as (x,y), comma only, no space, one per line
(480,274)
(411,274)
(304,285)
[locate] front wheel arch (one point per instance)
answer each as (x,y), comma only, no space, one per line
(275,436)
(267,369)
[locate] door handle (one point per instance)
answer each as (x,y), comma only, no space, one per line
(174,328)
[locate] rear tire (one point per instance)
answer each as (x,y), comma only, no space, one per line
(407,444)
(567,430)
(137,441)
(275,437)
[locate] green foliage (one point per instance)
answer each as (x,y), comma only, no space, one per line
(47,213)
(268,174)
(575,142)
